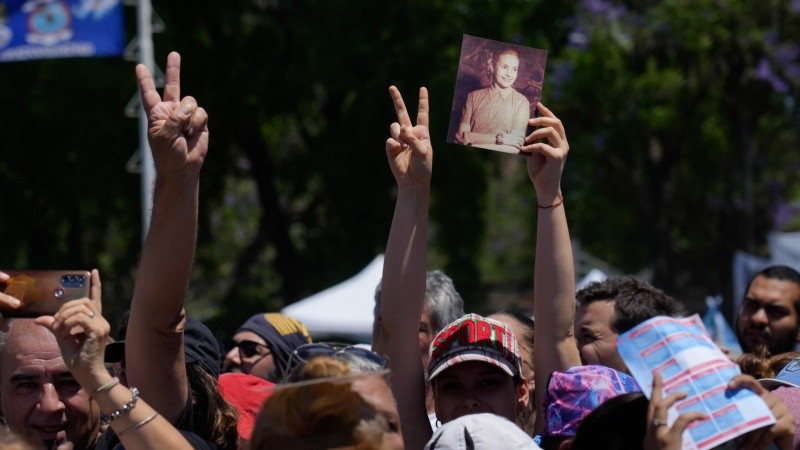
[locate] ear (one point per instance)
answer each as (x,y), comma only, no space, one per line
(565,444)
(524,394)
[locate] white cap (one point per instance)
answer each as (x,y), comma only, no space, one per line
(482,431)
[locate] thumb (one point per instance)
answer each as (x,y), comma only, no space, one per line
(45,321)
(180,119)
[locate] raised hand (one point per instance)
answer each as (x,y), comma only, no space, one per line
(7,301)
(548,148)
(81,332)
(409,148)
(660,435)
(781,432)
(177,128)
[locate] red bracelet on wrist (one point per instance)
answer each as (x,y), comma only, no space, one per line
(560,201)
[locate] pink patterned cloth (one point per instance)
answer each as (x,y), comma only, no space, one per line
(572,395)
(791,398)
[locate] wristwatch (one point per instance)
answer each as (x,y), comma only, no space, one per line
(499,139)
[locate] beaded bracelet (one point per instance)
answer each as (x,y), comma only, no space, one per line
(107,419)
(114,381)
(138,425)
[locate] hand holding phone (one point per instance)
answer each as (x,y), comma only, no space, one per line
(41,292)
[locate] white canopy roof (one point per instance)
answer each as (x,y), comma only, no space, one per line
(343,310)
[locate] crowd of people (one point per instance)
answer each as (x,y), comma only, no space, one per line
(434,377)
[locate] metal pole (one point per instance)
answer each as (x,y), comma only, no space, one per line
(145,35)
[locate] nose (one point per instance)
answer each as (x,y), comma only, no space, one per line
(471,401)
(49,401)
(760,317)
(232,360)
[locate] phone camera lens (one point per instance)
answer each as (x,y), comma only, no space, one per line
(59,293)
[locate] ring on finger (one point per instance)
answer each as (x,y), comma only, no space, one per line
(658,422)
(91,314)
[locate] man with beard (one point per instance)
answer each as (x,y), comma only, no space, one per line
(768,318)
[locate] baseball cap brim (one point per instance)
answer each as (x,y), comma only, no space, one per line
(472,354)
(774,383)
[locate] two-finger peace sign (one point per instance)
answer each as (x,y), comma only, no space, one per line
(177,128)
(409,147)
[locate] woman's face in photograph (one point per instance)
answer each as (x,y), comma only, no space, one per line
(505,71)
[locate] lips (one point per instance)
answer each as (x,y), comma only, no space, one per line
(756,335)
(47,432)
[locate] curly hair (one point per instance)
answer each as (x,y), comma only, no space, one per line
(323,415)
(762,365)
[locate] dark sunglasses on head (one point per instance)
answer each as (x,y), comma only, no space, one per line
(306,352)
(248,348)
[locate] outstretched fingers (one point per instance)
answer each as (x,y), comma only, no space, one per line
(400,106)
(96,292)
(147,87)
(172,82)
(422,108)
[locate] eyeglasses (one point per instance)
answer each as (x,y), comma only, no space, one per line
(248,349)
(306,352)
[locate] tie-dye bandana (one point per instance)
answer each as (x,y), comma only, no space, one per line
(573,394)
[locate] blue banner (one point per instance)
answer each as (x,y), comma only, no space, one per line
(48,29)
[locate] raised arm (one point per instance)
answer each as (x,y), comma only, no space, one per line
(178,137)
(554,273)
(410,158)
(82,333)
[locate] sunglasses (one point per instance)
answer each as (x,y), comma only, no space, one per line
(248,349)
(306,352)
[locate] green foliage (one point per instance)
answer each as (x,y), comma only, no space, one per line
(681,117)
(682,159)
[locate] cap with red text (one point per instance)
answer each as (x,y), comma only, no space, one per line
(475,338)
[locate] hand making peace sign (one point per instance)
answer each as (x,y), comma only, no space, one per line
(177,128)
(409,148)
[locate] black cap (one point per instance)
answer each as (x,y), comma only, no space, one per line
(200,347)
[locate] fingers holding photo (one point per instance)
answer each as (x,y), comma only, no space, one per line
(551,129)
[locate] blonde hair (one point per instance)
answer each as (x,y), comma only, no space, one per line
(322,415)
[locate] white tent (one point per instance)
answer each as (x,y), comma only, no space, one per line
(344,310)
(591,277)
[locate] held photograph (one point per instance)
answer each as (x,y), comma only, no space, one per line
(497,88)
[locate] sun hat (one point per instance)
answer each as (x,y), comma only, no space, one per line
(475,338)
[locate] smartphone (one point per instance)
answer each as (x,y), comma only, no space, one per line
(42,292)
